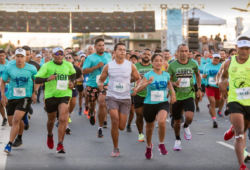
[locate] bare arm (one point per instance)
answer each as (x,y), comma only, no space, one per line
(135,75)
(80,79)
(143,84)
(90,70)
(103,77)
(223,79)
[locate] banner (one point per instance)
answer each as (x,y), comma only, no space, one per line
(174,29)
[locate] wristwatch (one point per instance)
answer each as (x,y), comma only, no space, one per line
(199,88)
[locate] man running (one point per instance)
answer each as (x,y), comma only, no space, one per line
(212,90)
(181,72)
(118,96)
(20,94)
(143,67)
(237,70)
(167,56)
(3,64)
(58,76)
(93,66)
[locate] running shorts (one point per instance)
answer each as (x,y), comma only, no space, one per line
(18,104)
(151,110)
(52,103)
(123,105)
(80,88)
(179,105)
(74,93)
(94,92)
(138,101)
(235,107)
(213,92)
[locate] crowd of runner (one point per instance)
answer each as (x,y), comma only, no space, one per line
(151,84)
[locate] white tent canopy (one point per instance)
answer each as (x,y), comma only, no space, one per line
(205,18)
(231,44)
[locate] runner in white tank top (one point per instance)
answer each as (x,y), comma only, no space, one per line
(118,98)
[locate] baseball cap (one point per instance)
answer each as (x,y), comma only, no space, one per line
(216,55)
(57,49)
(38,55)
(243,43)
(82,55)
(20,51)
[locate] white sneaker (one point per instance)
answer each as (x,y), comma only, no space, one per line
(177,145)
(187,133)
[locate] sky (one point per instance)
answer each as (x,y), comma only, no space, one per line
(214,7)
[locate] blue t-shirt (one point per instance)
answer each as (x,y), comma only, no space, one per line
(211,71)
(91,61)
(200,67)
(157,90)
(21,83)
(194,80)
(2,67)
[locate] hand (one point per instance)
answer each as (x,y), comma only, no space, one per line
(4,100)
(150,80)
(177,84)
(100,65)
(71,85)
(199,95)
(173,98)
(52,77)
(141,76)
(33,98)
(134,91)
(100,86)
(223,89)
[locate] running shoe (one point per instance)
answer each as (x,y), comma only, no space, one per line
(115,153)
(88,116)
(105,124)
(80,111)
(26,119)
(141,137)
(129,128)
(208,106)
(226,112)
(228,134)
(85,111)
(148,153)
(50,142)
(70,120)
(177,145)
(92,119)
(246,157)
(18,142)
(99,133)
(197,109)
(68,130)
(30,110)
(60,148)
(220,114)
(187,133)
(215,124)
(7,148)
(4,122)
(162,149)
(182,119)
(243,167)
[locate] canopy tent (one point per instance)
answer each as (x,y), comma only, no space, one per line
(231,44)
(205,18)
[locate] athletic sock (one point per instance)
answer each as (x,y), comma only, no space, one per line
(87,108)
(185,125)
(100,128)
(10,143)
(214,119)
(19,137)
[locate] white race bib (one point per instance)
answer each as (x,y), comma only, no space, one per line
(212,81)
(243,93)
(185,82)
(19,92)
(97,78)
(201,75)
(132,85)
(119,87)
(157,96)
(62,85)
(87,79)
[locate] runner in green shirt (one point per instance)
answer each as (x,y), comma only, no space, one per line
(181,72)
(58,76)
(143,67)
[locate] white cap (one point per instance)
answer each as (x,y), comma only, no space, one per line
(243,43)
(20,51)
(38,55)
(216,55)
(82,55)
(57,49)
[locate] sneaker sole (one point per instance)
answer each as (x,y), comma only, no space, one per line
(100,136)
(150,157)
(105,127)
(161,153)
(177,149)
(141,140)
(92,122)
(17,146)
(229,138)
(6,151)
(115,155)
(61,151)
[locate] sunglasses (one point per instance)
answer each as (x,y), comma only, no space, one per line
(68,58)
(57,54)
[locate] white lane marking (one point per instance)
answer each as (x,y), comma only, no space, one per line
(227,145)
(4,138)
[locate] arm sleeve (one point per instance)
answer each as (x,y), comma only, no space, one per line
(39,80)
(87,63)
(5,74)
(34,72)
(72,77)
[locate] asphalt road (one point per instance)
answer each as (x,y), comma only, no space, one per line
(85,151)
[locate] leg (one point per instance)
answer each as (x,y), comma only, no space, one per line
(149,132)
(38,94)
(50,122)
(63,109)
(139,119)
(114,115)
(177,127)
(102,111)
(72,104)
(80,96)
(162,116)
(131,115)
(17,118)
(10,120)
(189,118)
(2,111)
(211,100)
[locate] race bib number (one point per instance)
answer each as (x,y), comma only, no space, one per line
(157,96)
(119,87)
(62,85)
(19,92)
(212,81)
(185,82)
(87,79)
(243,93)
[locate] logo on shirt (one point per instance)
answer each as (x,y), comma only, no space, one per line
(61,76)
(234,69)
(159,84)
(1,72)
(184,72)
(21,81)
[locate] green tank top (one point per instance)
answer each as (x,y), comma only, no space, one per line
(143,70)
(239,82)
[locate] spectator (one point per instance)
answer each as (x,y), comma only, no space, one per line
(211,43)
(225,38)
